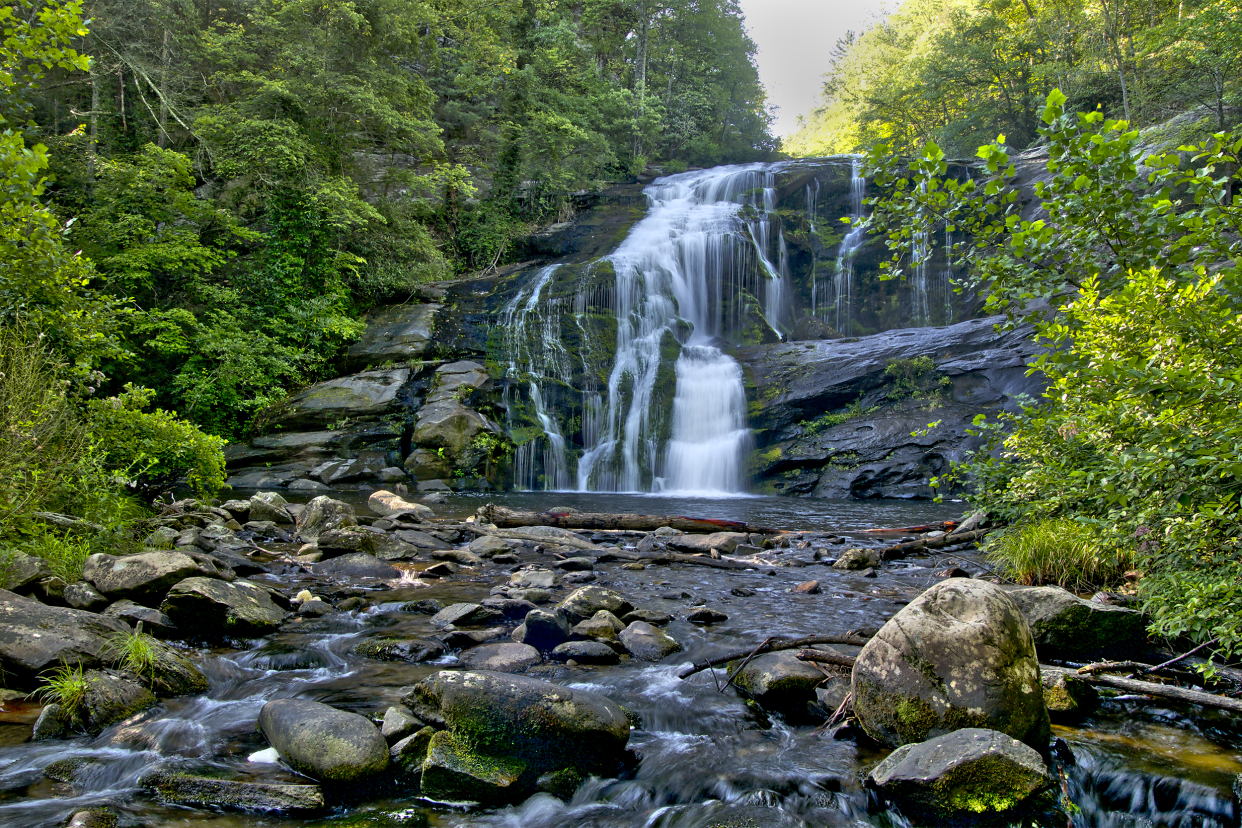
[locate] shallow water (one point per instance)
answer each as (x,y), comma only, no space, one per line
(704,754)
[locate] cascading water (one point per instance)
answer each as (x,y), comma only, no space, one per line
(843,276)
(690,274)
(536,355)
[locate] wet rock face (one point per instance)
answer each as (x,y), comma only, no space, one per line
(966,775)
(502,732)
(960,655)
(399,333)
(35,638)
(1065,626)
(875,455)
(322,742)
(199,791)
(145,578)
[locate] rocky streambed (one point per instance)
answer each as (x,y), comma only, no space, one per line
(330,665)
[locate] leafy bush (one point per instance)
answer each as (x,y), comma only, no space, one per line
(156,448)
(916,378)
(1137,436)
(1058,551)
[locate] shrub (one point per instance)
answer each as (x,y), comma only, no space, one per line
(156,448)
(1058,551)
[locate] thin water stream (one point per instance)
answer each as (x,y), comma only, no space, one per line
(705,754)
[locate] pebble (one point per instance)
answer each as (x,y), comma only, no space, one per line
(807,588)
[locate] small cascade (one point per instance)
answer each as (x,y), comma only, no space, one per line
(920,311)
(843,275)
(945,285)
(532,326)
(695,273)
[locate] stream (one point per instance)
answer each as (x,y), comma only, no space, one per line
(706,756)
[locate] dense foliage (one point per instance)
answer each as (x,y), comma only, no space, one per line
(1133,276)
(958,72)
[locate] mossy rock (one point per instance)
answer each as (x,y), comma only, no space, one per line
(1068,697)
(454,772)
(779,682)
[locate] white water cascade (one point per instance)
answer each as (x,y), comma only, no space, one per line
(843,276)
(691,272)
(532,340)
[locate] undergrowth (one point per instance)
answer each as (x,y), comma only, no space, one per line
(1058,551)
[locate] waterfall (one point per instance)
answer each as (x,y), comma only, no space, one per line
(536,356)
(694,274)
(843,275)
(946,278)
(812,208)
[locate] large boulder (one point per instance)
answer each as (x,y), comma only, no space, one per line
(19,571)
(395,333)
(583,603)
(386,504)
(543,630)
(322,742)
(514,729)
(35,638)
(960,655)
(268,506)
(965,775)
(779,682)
(209,609)
(648,643)
(323,514)
(111,697)
(145,578)
(1065,626)
(370,394)
(357,565)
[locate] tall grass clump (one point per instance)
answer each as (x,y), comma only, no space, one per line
(1058,551)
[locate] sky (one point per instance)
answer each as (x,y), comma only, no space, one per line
(795,39)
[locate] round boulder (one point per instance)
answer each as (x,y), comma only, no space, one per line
(960,655)
(583,603)
(211,609)
(648,643)
(322,742)
(323,514)
(502,657)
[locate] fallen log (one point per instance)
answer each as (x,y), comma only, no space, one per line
(1148,688)
(511,518)
(942,526)
(827,657)
(675,557)
(900,550)
(773,646)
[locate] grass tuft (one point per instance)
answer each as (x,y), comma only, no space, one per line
(1058,551)
(135,652)
(67,686)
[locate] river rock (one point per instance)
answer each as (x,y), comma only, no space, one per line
(409,650)
(323,514)
(724,542)
(505,731)
(410,753)
(269,506)
(779,682)
(35,638)
(603,626)
(585,652)
(648,643)
(960,655)
(145,578)
(511,657)
(858,558)
(201,791)
(654,617)
(322,742)
(22,571)
(153,621)
(92,818)
(398,723)
(111,697)
(466,615)
(387,504)
(512,609)
(533,579)
(1065,626)
(487,545)
(81,595)
(336,542)
(1068,697)
(968,775)
(706,615)
(212,610)
(583,603)
(461,556)
(357,565)
(542,629)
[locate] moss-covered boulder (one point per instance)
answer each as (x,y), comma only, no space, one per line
(209,609)
(965,776)
(1065,626)
(110,697)
(958,656)
(324,743)
(146,577)
(779,682)
(200,791)
(323,514)
(504,731)
(1068,697)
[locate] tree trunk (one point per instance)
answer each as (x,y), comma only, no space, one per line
(165,59)
(503,518)
(93,137)
(640,73)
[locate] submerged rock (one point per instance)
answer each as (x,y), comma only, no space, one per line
(960,655)
(1065,626)
(322,742)
(183,789)
(965,775)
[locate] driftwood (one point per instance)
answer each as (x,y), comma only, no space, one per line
(511,518)
(1147,688)
(773,646)
(942,526)
(674,557)
(826,657)
(900,550)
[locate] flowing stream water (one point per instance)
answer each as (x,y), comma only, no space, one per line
(705,754)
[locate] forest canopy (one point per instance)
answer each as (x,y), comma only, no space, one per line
(961,72)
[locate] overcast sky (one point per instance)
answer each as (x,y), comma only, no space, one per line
(795,39)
